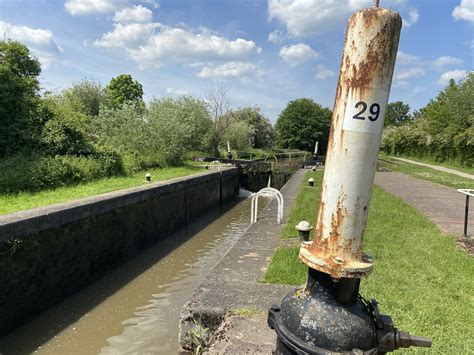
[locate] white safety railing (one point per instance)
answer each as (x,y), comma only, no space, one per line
(215,165)
(266,192)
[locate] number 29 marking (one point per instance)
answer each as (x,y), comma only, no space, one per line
(374,110)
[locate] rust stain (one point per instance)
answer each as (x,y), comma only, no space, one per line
(381,49)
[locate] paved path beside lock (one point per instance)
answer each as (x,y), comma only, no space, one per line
(437,167)
(233,286)
(443,205)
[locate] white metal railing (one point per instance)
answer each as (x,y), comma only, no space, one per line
(266,192)
(215,165)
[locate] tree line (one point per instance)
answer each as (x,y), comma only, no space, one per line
(443,130)
(88,131)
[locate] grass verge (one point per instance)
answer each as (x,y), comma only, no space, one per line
(304,206)
(421,278)
(25,200)
(426,173)
(464,169)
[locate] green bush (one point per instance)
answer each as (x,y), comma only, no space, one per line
(61,138)
(34,173)
(443,131)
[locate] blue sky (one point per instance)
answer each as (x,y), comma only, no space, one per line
(266,52)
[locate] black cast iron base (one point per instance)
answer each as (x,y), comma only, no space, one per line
(330,317)
(324,317)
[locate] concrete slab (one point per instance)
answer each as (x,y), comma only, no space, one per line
(244,335)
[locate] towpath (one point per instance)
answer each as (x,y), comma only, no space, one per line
(437,167)
(233,287)
(443,205)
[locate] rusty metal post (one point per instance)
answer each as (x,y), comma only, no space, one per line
(361,100)
(328,315)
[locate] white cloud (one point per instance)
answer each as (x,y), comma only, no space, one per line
(323,73)
(452,74)
(465,11)
(305,17)
(413,17)
(409,73)
(277,36)
(407,59)
(153,44)
(133,14)
(402,75)
(127,36)
(41,42)
(89,7)
(242,70)
(176,92)
(443,61)
(297,54)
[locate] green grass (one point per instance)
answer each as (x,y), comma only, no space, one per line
(464,169)
(421,277)
(428,174)
(304,206)
(285,267)
(22,201)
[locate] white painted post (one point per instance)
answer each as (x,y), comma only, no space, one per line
(357,122)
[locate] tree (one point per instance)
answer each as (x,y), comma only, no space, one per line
(262,132)
(219,106)
(19,98)
(85,96)
(398,113)
(443,130)
(125,131)
(123,89)
(239,134)
(302,123)
(186,115)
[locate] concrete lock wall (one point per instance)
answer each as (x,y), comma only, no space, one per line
(46,254)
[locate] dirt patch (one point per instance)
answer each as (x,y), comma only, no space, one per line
(467,244)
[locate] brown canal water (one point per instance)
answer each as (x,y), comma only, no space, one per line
(135,309)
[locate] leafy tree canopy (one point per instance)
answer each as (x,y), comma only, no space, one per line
(443,130)
(302,123)
(123,89)
(18,97)
(85,96)
(397,114)
(16,57)
(262,132)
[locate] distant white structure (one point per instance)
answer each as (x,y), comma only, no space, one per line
(215,165)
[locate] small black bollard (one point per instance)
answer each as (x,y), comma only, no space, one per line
(304,228)
(311,182)
(148,177)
